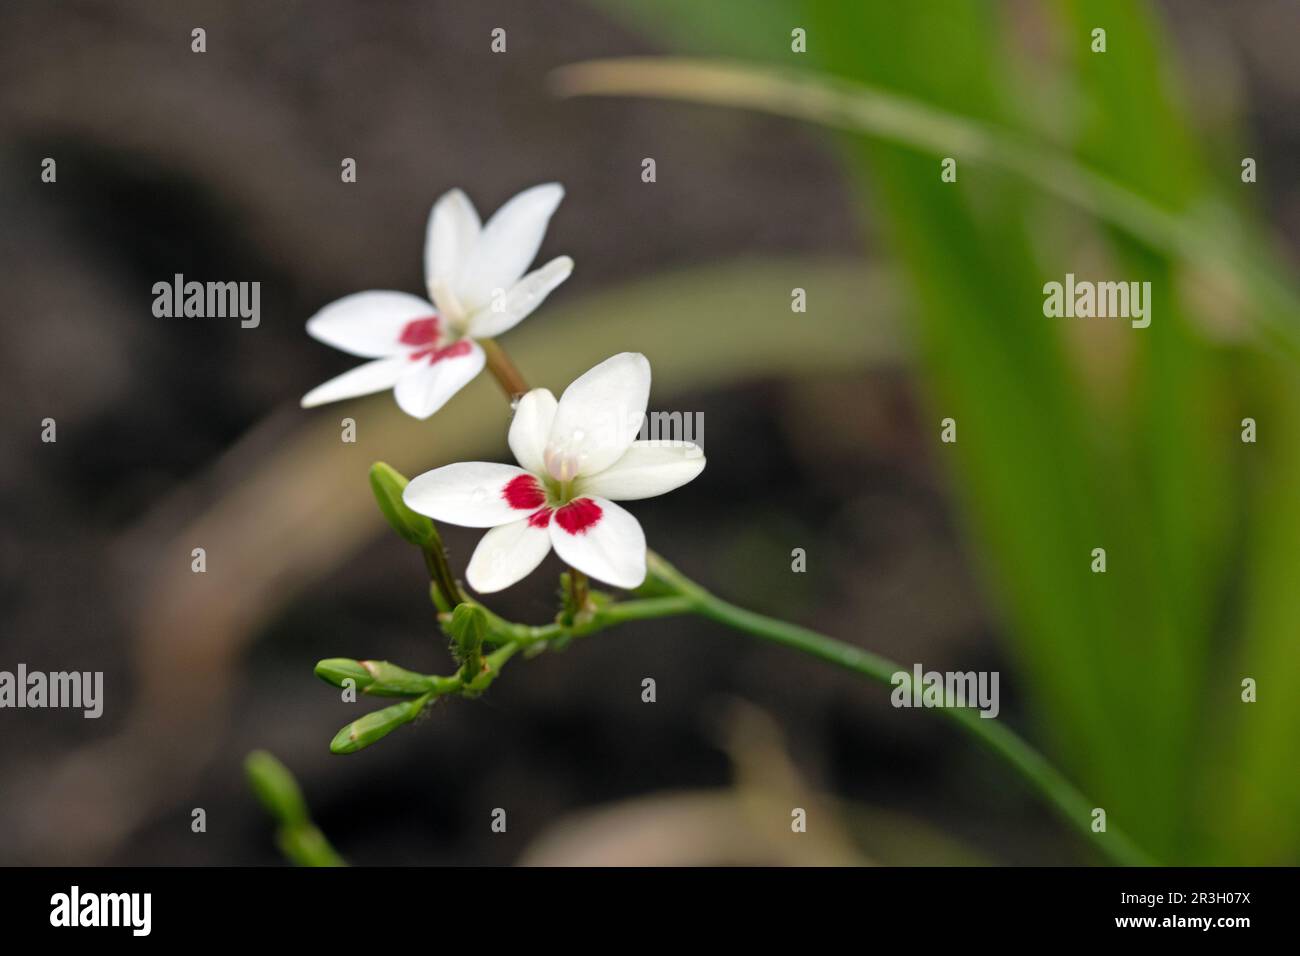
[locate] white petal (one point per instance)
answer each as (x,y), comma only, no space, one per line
(452,232)
(469,493)
(598,417)
(507,245)
(520,299)
(610,549)
(647,469)
(368,324)
(424,388)
(363,380)
(531,427)
(507,554)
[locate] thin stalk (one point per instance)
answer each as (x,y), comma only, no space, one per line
(444,582)
(503,370)
(578,590)
(1071,805)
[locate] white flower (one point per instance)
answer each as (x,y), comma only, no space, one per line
(578,456)
(427,353)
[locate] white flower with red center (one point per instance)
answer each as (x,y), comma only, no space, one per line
(424,351)
(578,456)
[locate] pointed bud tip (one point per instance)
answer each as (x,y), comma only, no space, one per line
(335,670)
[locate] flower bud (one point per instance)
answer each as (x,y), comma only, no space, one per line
(468,628)
(389,680)
(307,846)
(388,485)
(378,678)
(374,726)
(336,670)
(276,788)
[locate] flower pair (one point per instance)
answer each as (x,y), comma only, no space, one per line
(577,456)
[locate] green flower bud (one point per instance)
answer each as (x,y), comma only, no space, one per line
(389,680)
(376,725)
(468,627)
(276,788)
(388,485)
(380,678)
(336,670)
(307,846)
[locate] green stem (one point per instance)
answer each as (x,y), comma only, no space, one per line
(444,582)
(526,636)
(503,370)
(1072,806)
(577,598)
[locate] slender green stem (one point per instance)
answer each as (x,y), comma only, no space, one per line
(1072,806)
(578,588)
(527,636)
(444,582)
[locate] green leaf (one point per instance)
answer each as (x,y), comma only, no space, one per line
(915,125)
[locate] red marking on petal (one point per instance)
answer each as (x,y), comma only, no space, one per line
(578,515)
(540,518)
(523,492)
(455,350)
(420,332)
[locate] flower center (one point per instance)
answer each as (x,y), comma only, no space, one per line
(420,332)
(527,493)
(437,354)
(564,460)
(423,336)
(448,303)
